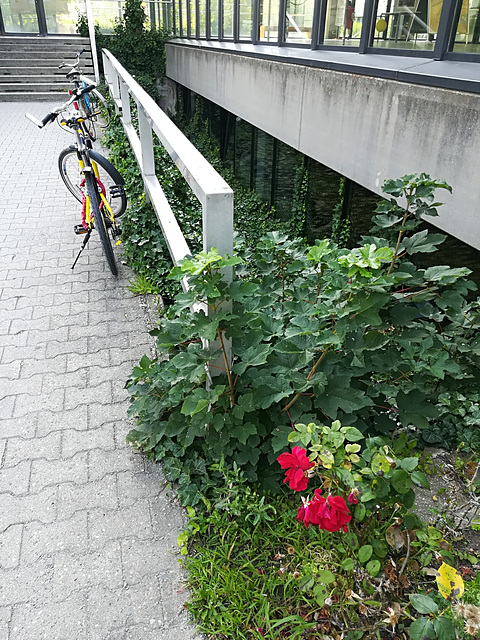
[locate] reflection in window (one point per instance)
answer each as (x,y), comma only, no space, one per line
(214,18)
(228,18)
(343,24)
(467,36)
(202,18)
(191,18)
(407,24)
(243,152)
(288,161)
(263,165)
(245,19)
(299,18)
(268,21)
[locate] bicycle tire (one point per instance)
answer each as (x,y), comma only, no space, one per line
(100,109)
(99,222)
(72,176)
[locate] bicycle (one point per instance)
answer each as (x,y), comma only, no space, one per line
(86,181)
(92,105)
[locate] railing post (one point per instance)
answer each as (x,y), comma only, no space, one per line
(125,98)
(146,144)
(93,44)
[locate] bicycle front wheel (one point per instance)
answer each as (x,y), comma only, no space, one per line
(100,110)
(99,221)
(72,176)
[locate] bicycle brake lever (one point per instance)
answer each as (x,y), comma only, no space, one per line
(34,120)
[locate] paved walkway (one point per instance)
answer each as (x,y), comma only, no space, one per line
(87,536)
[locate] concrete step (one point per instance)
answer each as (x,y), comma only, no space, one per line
(31,71)
(66,49)
(27,96)
(24,63)
(61,87)
(73,41)
(35,79)
(56,54)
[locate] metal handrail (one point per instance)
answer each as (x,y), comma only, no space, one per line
(214,194)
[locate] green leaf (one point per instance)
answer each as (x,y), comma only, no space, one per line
(401,481)
(347,564)
(306,583)
(422,629)
(365,553)
(373,567)
(420,479)
(409,464)
(444,628)
(325,577)
(423,604)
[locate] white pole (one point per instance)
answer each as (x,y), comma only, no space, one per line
(91,31)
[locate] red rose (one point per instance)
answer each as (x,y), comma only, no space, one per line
(296,464)
(330,514)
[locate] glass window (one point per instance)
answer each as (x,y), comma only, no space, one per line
(214,18)
(228,18)
(343,23)
(324,198)
(243,152)
(19,16)
(263,165)
(268,21)
(202,18)
(467,35)
(191,15)
(298,21)
(407,24)
(245,19)
(176,29)
(288,160)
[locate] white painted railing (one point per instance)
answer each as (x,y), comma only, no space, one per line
(214,194)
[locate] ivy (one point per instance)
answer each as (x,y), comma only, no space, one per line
(322,333)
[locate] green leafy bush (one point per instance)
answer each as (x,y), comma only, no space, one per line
(362,336)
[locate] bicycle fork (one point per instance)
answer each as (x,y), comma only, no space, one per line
(103,204)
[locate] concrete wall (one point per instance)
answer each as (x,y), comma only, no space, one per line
(368,129)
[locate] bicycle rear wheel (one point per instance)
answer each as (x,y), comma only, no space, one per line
(99,221)
(72,176)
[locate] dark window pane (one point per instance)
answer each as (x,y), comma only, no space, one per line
(323,196)
(263,165)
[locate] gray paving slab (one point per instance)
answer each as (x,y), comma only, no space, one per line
(87,535)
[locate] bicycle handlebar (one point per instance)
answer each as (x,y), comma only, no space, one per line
(50,117)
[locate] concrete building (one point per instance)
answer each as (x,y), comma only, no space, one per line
(369,89)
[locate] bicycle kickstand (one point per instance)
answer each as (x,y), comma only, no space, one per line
(84,243)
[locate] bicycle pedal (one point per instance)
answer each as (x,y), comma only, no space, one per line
(79,229)
(116,191)
(117,231)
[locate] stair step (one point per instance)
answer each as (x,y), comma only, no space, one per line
(27,96)
(61,87)
(14,71)
(86,65)
(49,78)
(72,40)
(57,54)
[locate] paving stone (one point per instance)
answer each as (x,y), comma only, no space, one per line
(73,497)
(134,487)
(10,545)
(53,472)
(46,540)
(19,449)
(101,438)
(29,583)
(128,606)
(76,571)
(141,558)
(129,522)
(51,620)
(27,403)
(15,480)
(41,506)
(50,421)
(102,463)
